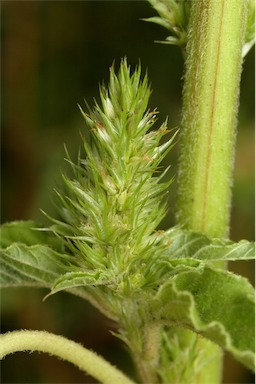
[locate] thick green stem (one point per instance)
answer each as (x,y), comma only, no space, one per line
(65,349)
(210,104)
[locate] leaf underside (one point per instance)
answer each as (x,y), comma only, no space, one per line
(184,243)
(38,265)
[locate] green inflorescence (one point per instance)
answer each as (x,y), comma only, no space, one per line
(111,208)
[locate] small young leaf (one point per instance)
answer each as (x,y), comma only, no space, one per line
(217,304)
(250,28)
(173,16)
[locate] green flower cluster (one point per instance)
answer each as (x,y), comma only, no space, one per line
(111,208)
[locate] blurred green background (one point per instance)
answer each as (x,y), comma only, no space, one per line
(54,54)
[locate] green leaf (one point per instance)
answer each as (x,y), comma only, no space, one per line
(28,233)
(79,279)
(214,303)
(82,283)
(183,243)
(35,265)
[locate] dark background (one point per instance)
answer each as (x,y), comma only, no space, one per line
(54,54)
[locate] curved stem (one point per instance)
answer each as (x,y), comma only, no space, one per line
(66,349)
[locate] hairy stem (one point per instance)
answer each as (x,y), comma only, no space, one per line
(65,349)
(148,362)
(210,104)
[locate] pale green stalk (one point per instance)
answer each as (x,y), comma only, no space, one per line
(148,361)
(210,104)
(65,349)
